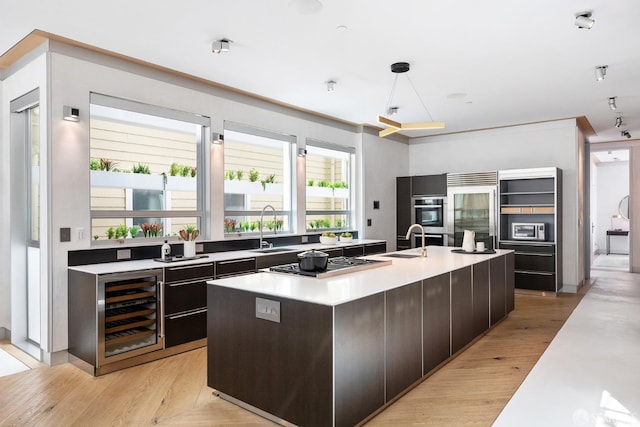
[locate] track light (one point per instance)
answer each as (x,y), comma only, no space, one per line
(220,46)
(302,152)
(601,71)
(625,133)
(583,20)
(217,138)
(618,121)
(331,85)
(391,111)
(612,103)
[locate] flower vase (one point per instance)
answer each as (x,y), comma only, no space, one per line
(189,248)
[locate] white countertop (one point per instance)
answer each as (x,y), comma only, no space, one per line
(146,264)
(352,286)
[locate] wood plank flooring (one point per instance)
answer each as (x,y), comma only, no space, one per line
(471,390)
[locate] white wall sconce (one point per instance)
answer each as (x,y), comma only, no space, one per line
(70,114)
(302,152)
(217,138)
(601,71)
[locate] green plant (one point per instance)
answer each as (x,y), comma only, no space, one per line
(245,225)
(318,224)
(230,175)
(312,225)
(326,223)
(229,225)
(239,174)
(107,165)
(338,223)
(340,184)
(94,164)
(254,225)
(110,233)
(133,231)
(270,225)
(310,183)
(324,184)
(155,229)
(279,224)
(190,229)
(192,171)
(96,237)
(185,171)
(121,231)
(140,168)
(254,175)
(271,179)
(174,169)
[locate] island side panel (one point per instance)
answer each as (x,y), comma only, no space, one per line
(480,297)
(403,338)
(511,281)
(359,359)
(461,309)
(282,368)
(83,317)
(437,320)
(498,289)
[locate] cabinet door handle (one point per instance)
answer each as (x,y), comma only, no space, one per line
(533,254)
(190,282)
(539,273)
(187,267)
(235,261)
(190,313)
(160,303)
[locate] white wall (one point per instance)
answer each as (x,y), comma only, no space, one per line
(32,75)
(73,78)
(634,208)
(613,184)
(526,146)
(382,161)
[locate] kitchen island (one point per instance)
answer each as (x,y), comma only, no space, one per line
(332,351)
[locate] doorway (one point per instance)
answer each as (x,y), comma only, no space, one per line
(610,235)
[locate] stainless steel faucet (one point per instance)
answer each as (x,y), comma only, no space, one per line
(262,243)
(424,248)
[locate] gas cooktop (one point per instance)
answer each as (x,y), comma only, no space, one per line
(335,266)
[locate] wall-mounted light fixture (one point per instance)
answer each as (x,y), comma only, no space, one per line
(70,114)
(618,121)
(612,103)
(217,138)
(222,45)
(625,133)
(601,71)
(584,20)
(331,85)
(302,152)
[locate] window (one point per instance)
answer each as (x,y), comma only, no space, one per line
(257,173)
(146,169)
(330,179)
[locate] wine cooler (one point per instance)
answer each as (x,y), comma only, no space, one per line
(128,312)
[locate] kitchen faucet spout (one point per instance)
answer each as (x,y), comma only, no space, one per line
(424,247)
(262,243)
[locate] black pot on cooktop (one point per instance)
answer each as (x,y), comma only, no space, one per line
(313,260)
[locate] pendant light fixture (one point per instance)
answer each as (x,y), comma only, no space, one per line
(393,126)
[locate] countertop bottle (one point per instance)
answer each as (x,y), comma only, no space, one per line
(166,250)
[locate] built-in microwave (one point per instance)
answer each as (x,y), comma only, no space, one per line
(429,212)
(528,231)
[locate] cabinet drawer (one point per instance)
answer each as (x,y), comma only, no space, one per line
(180,297)
(353,251)
(188,272)
(185,327)
(535,261)
(278,259)
(529,247)
(375,248)
(536,281)
(235,266)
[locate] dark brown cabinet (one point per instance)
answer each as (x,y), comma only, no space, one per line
(498,290)
(429,185)
(403,344)
(437,321)
(461,309)
(480,297)
(403,210)
(234,267)
(185,303)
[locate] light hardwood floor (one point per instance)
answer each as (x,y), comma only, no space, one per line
(471,390)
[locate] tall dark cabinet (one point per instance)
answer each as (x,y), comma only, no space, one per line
(403,211)
(533,196)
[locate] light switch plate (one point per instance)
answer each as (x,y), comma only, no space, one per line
(65,234)
(268,309)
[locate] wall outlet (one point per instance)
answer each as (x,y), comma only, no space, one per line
(368,222)
(199,248)
(268,310)
(123,254)
(376,204)
(304,239)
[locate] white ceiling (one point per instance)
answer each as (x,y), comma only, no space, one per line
(474,64)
